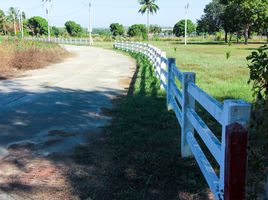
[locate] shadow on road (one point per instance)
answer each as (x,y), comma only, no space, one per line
(38,134)
(138,154)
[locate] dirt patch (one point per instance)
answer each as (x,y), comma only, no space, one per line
(125,82)
(28,176)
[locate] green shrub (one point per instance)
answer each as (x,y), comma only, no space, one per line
(258,157)
(117,29)
(74,29)
(179,28)
(218,36)
(259,72)
(138,30)
(37,26)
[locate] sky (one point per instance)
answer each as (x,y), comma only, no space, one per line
(105,12)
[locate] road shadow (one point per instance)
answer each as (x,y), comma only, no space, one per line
(138,155)
(39,131)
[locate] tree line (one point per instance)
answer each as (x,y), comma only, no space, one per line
(13,22)
(239,17)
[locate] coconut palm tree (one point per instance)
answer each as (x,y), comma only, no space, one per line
(2,16)
(14,15)
(149,7)
(4,22)
(13,12)
(5,25)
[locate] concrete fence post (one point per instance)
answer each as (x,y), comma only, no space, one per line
(171,62)
(267,188)
(163,67)
(235,162)
(127,46)
(158,62)
(148,53)
(130,46)
(234,112)
(156,59)
(188,102)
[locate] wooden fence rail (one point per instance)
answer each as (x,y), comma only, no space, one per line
(72,41)
(232,115)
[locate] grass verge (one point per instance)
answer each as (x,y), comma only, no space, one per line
(138,157)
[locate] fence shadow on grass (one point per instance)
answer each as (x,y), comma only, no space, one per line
(138,156)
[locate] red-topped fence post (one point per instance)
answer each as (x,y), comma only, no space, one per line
(236,139)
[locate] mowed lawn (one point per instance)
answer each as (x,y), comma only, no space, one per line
(220,77)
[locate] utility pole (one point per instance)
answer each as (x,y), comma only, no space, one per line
(21,23)
(14,21)
(185,28)
(48,5)
(22,29)
(90,26)
(19,20)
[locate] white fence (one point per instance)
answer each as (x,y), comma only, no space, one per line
(71,41)
(231,152)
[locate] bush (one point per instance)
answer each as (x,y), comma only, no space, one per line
(117,29)
(55,31)
(258,157)
(155,29)
(218,36)
(138,30)
(74,29)
(259,72)
(37,26)
(179,28)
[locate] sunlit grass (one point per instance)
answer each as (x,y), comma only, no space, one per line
(220,77)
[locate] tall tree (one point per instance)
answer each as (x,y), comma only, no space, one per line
(6,23)
(13,12)
(2,20)
(13,15)
(149,7)
(211,21)
(248,12)
(231,22)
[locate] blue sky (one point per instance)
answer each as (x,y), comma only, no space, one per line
(105,12)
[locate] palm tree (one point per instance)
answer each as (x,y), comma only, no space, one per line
(5,25)
(150,7)
(4,22)
(14,14)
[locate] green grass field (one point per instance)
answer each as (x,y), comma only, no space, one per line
(220,77)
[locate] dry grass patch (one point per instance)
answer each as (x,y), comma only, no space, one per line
(17,56)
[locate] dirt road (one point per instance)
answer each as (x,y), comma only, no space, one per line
(47,112)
